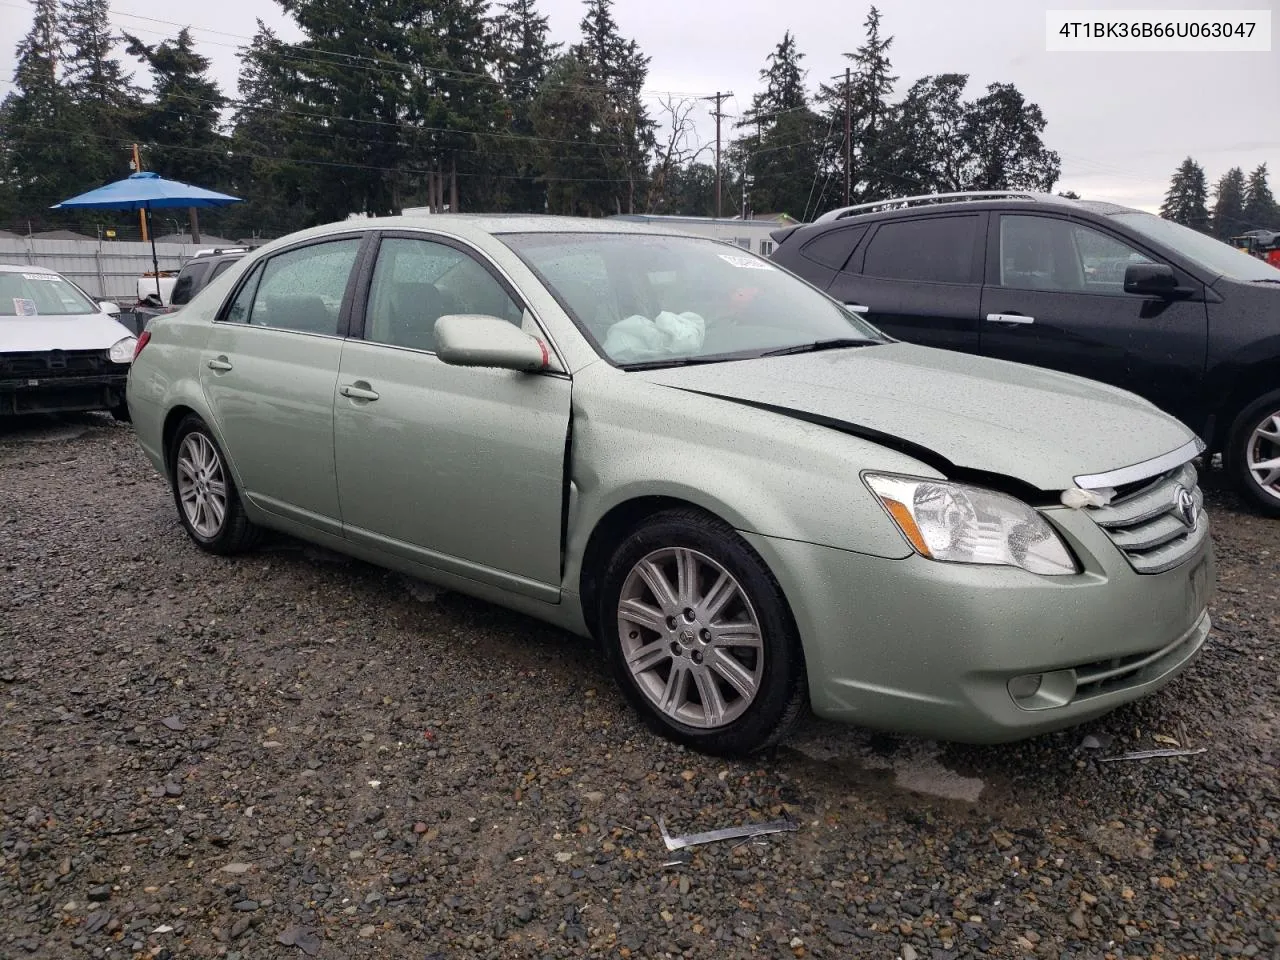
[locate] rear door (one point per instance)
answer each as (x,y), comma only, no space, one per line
(269,372)
(458,468)
(1054,297)
(919,279)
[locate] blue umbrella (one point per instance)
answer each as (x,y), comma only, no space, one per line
(147,191)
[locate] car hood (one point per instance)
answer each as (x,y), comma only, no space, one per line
(1037,426)
(90,331)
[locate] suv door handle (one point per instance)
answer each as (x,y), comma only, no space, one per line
(1009,318)
(858,308)
(220,364)
(359,390)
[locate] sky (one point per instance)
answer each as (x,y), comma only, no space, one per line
(1122,122)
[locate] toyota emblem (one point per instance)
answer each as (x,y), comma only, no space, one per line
(1187,509)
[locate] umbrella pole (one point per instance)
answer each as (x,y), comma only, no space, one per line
(155,263)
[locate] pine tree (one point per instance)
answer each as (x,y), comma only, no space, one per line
(1228,217)
(1005,151)
(181,123)
(523,59)
(1188,194)
(781,157)
(1260,210)
(617,69)
(39,133)
(102,95)
(870,85)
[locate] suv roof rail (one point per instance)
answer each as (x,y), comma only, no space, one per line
(934,198)
(215,251)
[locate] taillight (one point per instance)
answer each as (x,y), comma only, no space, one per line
(142,342)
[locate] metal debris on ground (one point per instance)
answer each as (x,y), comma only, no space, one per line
(726,833)
(1152,754)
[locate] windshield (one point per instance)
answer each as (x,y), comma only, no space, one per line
(1214,255)
(37,293)
(652,299)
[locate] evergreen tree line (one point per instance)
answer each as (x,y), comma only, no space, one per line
(1240,203)
(378,100)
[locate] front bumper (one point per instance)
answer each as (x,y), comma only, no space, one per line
(62,394)
(929,648)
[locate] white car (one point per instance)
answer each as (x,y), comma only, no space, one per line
(59,350)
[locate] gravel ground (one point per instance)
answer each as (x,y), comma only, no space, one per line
(295,755)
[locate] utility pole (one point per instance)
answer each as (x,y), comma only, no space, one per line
(848,138)
(718,98)
(142,214)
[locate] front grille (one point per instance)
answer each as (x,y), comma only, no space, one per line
(53,364)
(1148,521)
(1107,676)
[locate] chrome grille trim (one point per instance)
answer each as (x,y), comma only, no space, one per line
(1147,524)
(1140,471)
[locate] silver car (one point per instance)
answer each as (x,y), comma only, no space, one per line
(752,499)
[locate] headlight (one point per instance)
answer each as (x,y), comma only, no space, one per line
(950,521)
(122,350)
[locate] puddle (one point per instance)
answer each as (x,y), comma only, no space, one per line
(908,764)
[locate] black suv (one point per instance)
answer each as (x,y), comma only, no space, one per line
(1094,289)
(196,274)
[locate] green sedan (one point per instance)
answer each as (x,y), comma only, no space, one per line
(753,500)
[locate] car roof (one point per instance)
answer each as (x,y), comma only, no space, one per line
(27,268)
(911,206)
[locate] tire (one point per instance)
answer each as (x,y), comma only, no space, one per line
(1255,438)
(227,533)
(739,678)
(121,412)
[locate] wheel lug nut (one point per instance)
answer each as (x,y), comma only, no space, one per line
(688,614)
(706,636)
(671,623)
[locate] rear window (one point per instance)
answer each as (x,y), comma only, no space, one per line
(185,287)
(832,249)
(927,250)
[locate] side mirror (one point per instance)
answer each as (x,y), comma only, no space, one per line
(109,307)
(475,340)
(1150,280)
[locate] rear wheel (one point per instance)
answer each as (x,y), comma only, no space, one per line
(1253,452)
(208,503)
(700,636)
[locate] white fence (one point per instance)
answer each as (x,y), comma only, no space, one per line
(108,268)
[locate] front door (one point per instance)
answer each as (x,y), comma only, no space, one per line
(1054,297)
(269,370)
(458,468)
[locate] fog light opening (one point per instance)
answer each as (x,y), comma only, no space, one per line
(1025,687)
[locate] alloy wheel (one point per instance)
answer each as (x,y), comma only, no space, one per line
(1262,455)
(690,637)
(202,485)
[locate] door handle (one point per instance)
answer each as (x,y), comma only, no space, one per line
(220,364)
(358,391)
(1009,318)
(858,308)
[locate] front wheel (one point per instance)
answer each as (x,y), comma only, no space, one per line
(208,503)
(700,636)
(1253,452)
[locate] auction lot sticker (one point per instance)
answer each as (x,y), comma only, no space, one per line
(22,307)
(1158,31)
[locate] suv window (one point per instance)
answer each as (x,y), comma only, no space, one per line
(929,250)
(833,248)
(299,290)
(185,286)
(416,282)
(1043,253)
(221,268)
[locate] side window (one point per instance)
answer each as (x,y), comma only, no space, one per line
(185,286)
(302,289)
(238,312)
(220,269)
(832,249)
(416,282)
(929,250)
(1043,253)
(766,247)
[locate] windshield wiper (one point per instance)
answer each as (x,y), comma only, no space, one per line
(681,362)
(835,344)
